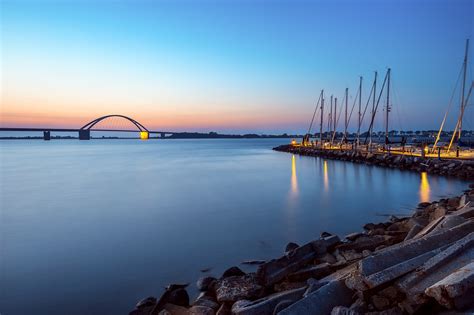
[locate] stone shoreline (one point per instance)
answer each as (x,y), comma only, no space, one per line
(422,264)
(446,167)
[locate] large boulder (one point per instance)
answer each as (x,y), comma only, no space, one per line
(276,270)
(235,288)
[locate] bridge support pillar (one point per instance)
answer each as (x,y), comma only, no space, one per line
(84,134)
(47,135)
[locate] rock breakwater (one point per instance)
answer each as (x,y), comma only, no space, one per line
(419,264)
(446,167)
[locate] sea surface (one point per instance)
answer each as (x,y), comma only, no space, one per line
(91,227)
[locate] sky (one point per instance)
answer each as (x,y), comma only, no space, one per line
(228,66)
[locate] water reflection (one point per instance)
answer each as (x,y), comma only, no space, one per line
(241,183)
(294,180)
(424,188)
(325,176)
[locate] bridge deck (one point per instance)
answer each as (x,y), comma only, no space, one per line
(77,130)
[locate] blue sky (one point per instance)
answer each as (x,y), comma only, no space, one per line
(230,66)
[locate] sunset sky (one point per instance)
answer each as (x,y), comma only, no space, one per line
(227,66)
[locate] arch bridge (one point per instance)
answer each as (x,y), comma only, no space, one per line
(85,131)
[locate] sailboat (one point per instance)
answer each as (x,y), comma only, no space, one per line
(455,140)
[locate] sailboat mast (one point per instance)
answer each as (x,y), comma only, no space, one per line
(345,117)
(330,119)
(335,114)
(463,89)
(373,108)
(321,123)
(387,109)
(360,108)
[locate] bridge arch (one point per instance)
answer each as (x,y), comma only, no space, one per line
(92,123)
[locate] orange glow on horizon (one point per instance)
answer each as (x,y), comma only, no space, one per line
(58,109)
(153,121)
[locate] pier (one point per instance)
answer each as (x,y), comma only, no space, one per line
(413,161)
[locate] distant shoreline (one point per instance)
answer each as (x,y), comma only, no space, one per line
(176,136)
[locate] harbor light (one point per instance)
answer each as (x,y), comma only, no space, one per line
(293,142)
(144,135)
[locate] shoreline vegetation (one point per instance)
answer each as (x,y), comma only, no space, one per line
(419,264)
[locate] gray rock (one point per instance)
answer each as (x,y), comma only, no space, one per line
(321,301)
(313,285)
(201,310)
(351,255)
(328,258)
(424,204)
(205,283)
(436,269)
(207,301)
(179,297)
(380,302)
(225,309)
(342,310)
(353,236)
(267,304)
(325,234)
(467,212)
(364,242)
(398,253)
(149,301)
(277,269)
(318,272)
(173,309)
(175,294)
(455,290)
(417,228)
(288,285)
(233,271)
(448,221)
(290,247)
(282,305)
(235,288)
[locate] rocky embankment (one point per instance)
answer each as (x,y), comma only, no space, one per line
(447,167)
(421,264)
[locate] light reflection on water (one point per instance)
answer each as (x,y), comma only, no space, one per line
(101,224)
(326,176)
(294,180)
(424,188)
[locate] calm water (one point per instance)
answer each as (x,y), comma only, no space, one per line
(91,227)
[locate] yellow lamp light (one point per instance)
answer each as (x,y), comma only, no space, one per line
(144,135)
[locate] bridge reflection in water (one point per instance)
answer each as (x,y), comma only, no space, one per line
(425,195)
